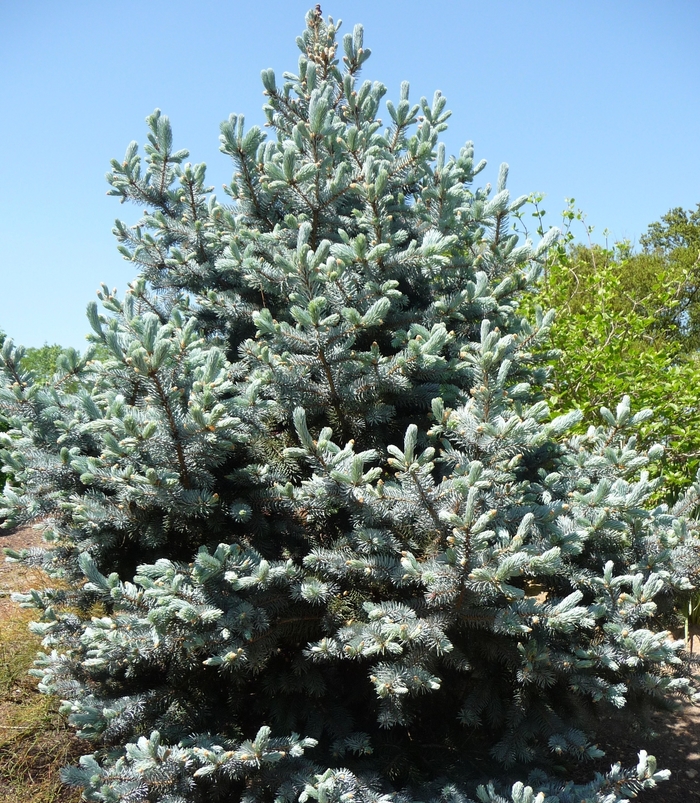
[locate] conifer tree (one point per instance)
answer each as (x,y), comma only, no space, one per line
(317,535)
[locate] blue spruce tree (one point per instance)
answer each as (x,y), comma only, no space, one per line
(317,535)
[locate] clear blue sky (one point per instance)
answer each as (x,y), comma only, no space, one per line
(596,100)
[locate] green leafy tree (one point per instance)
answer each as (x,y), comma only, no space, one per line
(321,536)
(622,327)
(675,242)
(43,361)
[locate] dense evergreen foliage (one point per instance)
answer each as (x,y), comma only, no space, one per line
(321,536)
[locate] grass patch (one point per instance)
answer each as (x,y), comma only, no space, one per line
(34,739)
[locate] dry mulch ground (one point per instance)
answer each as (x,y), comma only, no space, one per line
(34,740)
(29,760)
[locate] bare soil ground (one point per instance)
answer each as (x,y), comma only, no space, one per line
(34,742)
(676,747)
